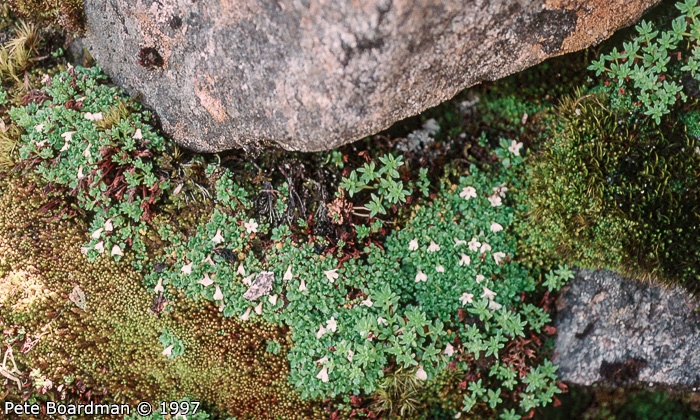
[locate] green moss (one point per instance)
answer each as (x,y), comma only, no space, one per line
(112,349)
(613,190)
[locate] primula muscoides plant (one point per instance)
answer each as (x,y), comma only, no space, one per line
(80,136)
(443,294)
(654,63)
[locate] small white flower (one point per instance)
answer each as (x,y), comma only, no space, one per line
(479,278)
(421,276)
(39,127)
(109,226)
(494,306)
(367,302)
(138,135)
(241,270)
(433,247)
(466,298)
(258,309)
(495,227)
(323,375)
(420,374)
(217,294)
(495,200)
(332,324)
(251,226)
(248,281)
(488,294)
(117,251)
(320,332)
(209,260)
(350,355)
(40,143)
(187,269)
(474,245)
(381,321)
(484,247)
(168,351)
(515,146)
(177,189)
(246,315)
(459,242)
(93,117)
(458,415)
(413,245)
(498,256)
(65,147)
(332,275)
(86,152)
(464,260)
(468,192)
(272,299)
(288,274)
(218,238)
(100,247)
(96,234)
(159,287)
(68,136)
(440,269)
(449,350)
(302,286)
(206,281)
(322,360)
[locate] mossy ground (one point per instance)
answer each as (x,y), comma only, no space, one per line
(284,212)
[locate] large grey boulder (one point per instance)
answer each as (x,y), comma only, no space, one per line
(618,331)
(311,74)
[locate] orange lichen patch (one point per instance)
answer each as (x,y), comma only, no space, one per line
(597,19)
(213,105)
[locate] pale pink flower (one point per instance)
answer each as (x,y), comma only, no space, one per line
(433,247)
(421,375)
(466,298)
(331,275)
(515,146)
(489,294)
(495,227)
(218,238)
(498,256)
(495,200)
(468,192)
(474,245)
(206,281)
(217,293)
(421,276)
(251,226)
(464,260)
(187,269)
(323,375)
(413,245)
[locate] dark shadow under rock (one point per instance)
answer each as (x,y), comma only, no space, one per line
(618,331)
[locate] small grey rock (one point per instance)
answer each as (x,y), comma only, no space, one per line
(618,331)
(262,285)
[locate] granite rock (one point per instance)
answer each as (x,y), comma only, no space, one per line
(313,75)
(618,331)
